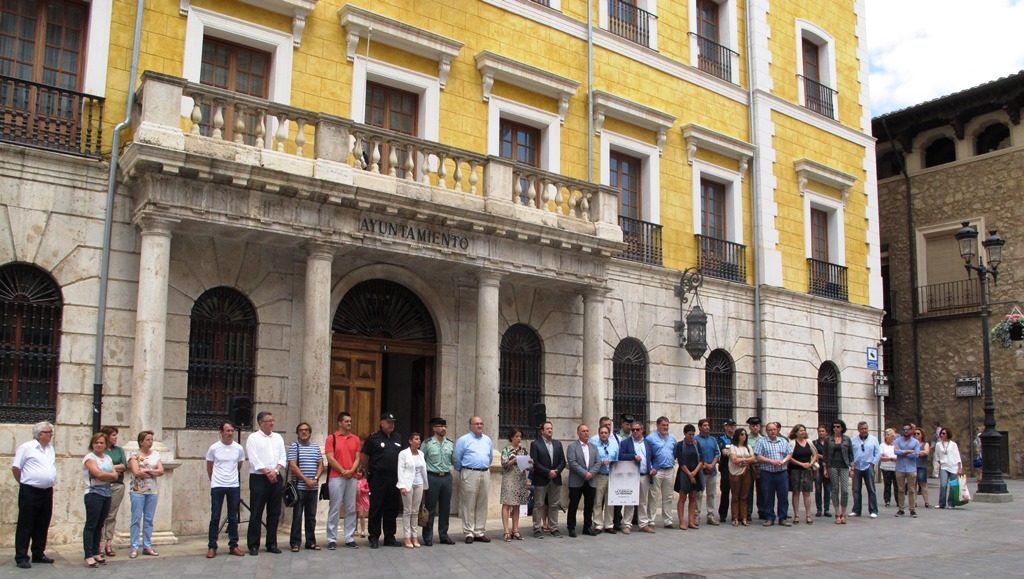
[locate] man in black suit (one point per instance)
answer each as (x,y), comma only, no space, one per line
(548,463)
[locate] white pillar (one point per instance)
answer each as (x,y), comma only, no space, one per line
(316,350)
(594,395)
(487,354)
(151,326)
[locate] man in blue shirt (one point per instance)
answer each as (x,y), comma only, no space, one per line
(774,452)
(907,450)
(474,453)
(663,446)
(866,454)
(607,455)
(709,455)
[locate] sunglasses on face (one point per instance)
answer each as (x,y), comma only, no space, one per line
(638,430)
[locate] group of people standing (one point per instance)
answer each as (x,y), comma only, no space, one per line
(103,470)
(737,472)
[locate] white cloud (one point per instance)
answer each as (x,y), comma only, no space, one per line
(923,49)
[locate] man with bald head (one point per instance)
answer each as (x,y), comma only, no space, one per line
(474,453)
(582,458)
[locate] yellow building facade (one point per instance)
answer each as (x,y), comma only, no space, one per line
(454,208)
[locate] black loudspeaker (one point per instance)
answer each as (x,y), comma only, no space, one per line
(540,414)
(241,411)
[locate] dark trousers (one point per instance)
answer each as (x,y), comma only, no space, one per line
(775,486)
(755,499)
(304,510)
(263,495)
(439,503)
(822,492)
(867,477)
(217,496)
(35,509)
(888,485)
(587,492)
(385,504)
(724,488)
(96,509)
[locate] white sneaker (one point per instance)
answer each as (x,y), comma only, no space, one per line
(874,515)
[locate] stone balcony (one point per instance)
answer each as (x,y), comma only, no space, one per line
(309,176)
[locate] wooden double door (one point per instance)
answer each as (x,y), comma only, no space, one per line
(370,376)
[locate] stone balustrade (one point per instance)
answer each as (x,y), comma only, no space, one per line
(246,127)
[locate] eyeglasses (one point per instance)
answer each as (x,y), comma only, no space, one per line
(304,430)
(638,430)
(45,432)
(837,426)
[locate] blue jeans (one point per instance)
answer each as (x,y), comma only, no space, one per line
(143,509)
(822,492)
(866,476)
(217,496)
(944,478)
(96,508)
(775,486)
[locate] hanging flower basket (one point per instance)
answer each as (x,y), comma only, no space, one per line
(1010,329)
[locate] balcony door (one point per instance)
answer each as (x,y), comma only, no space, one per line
(396,110)
(238,69)
(42,45)
(819,235)
(521,143)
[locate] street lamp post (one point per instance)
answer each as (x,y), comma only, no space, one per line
(992,475)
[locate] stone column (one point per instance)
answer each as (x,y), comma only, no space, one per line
(151,326)
(316,347)
(487,355)
(594,395)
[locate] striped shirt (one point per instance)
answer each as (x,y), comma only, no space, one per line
(777,449)
(307,457)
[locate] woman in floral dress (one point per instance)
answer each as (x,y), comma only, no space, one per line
(515,488)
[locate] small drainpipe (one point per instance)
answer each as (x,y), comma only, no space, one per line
(590,91)
(108,221)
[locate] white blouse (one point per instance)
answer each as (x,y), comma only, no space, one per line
(948,455)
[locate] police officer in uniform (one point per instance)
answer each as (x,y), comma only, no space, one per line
(724,446)
(380,455)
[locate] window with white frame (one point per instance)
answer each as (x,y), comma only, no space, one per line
(824,238)
(633,20)
(205,24)
(714,37)
(648,183)
(943,288)
(368,73)
(718,221)
(503,112)
(816,69)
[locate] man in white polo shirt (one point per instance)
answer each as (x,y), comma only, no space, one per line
(223,462)
(35,469)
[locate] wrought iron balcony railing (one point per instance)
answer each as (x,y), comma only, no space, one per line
(713,58)
(642,239)
(827,280)
(819,98)
(630,22)
(47,117)
(948,298)
(721,259)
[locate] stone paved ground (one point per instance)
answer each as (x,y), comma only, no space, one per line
(980,539)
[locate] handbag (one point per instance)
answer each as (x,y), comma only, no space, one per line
(325,490)
(965,494)
(424,516)
(291,493)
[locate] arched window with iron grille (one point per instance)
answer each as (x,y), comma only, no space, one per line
(521,371)
(31,309)
(828,393)
(720,384)
(221,356)
(629,379)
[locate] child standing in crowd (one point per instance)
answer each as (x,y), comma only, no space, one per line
(363,505)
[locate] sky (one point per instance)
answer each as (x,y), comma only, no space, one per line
(923,49)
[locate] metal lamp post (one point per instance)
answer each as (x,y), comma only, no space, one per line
(992,476)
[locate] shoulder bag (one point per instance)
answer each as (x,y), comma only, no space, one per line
(325,491)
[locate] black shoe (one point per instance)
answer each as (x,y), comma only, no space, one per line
(469,539)
(374,542)
(24,564)
(483,539)
(572,533)
(391,542)
(351,545)
(538,535)
(42,559)
(447,541)
(900,513)
(427,543)
(254,551)
(827,514)
(274,550)
(592,532)
(331,545)
(611,531)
